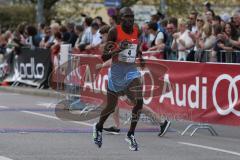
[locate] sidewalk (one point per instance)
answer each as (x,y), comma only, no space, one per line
(31,91)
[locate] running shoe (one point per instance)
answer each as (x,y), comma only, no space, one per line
(133,146)
(164,127)
(112,130)
(97,136)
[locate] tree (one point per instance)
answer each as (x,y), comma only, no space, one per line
(128,3)
(47,8)
(40,12)
(12,15)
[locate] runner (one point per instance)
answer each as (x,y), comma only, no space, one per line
(124,77)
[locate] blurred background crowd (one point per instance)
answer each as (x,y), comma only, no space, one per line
(202,36)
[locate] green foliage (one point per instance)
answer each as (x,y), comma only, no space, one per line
(12,15)
(128,3)
(184,7)
(48,4)
(49,13)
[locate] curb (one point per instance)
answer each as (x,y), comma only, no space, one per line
(32,91)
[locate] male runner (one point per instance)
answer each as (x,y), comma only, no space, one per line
(124,77)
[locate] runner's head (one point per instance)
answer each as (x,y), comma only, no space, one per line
(127,18)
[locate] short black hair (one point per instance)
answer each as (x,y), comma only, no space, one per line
(217,18)
(88,21)
(42,25)
(100,18)
(153,26)
(94,25)
(173,20)
(31,30)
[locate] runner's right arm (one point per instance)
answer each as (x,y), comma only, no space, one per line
(109,47)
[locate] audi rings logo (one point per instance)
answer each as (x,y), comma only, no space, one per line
(232,100)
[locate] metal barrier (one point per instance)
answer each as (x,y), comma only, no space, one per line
(229,56)
(199,126)
(217,56)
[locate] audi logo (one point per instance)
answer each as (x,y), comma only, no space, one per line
(232,100)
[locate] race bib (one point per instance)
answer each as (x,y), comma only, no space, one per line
(128,55)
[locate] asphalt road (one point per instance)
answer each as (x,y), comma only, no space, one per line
(29,130)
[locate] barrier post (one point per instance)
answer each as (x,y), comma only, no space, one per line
(198,127)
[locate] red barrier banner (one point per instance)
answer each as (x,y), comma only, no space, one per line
(199,92)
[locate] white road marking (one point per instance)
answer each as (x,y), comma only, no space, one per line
(49,116)
(47,105)
(4,158)
(3,107)
(53,117)
(210,148)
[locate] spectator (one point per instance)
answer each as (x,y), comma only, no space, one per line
(208,7)
(157,18)
(182,41)
(20,34)
(216,20)
(171,29)
(99,21)
(72,35)
(204,43)
(174,21)
(192,20)
(41,28)
(160,38)
(199,24)
(104,35)
(230,33)
(225,18)
(65,34)
(145,37)
(236,21)
(209,16)
(55,48)
(47,39)
(96,37)
(55,28)
(113,20)
(33,38)
(87,35)
(79,29)
(217,29)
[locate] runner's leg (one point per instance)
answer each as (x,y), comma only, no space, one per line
(112,99)
(134,92)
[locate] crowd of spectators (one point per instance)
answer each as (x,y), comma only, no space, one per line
(204,37)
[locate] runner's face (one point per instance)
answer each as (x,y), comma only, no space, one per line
(128,19)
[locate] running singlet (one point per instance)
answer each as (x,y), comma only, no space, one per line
(129,54)
(123,69)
